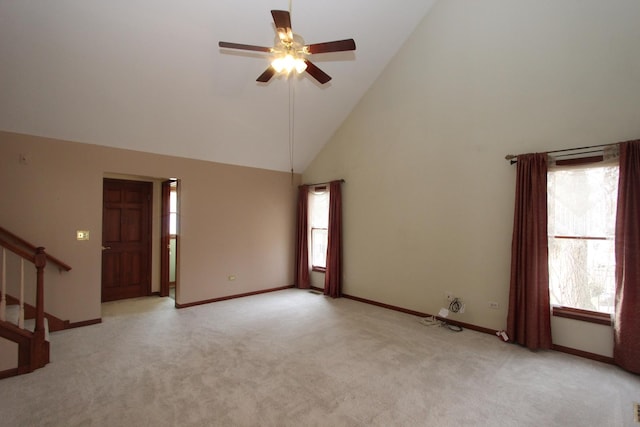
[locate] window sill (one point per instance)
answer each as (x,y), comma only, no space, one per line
(319,269)
(582,315)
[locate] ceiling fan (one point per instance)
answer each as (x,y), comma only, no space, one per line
(291,52)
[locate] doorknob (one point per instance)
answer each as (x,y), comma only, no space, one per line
(104,248)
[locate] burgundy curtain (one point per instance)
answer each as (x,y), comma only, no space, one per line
(626,349)
(302,248)
(333,273)
(529,317)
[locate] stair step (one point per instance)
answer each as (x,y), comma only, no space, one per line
(12,314)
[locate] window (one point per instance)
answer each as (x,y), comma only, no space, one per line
(173,231)
(318,224)
(173,209)
(581,227)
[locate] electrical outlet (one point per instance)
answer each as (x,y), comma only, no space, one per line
(494,305)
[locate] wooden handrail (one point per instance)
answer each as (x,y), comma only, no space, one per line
(18,251)
(32,248)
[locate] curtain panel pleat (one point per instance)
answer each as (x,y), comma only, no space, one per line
(302,248)
(529,318)
(333,272)
(626,350)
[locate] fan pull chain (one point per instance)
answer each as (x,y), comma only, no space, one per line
(291,124)
(292,99)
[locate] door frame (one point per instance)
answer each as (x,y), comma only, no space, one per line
(164,237)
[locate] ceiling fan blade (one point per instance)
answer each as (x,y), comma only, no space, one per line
(316,72)
(244,46)
(266,76)
(336,46)
(282,20)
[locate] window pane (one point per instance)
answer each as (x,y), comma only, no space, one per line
(582,273)
(319,210)
(319,247)
(173,201)
(172,259)
(582,202)
(173,223)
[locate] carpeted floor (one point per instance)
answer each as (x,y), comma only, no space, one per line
(294,358)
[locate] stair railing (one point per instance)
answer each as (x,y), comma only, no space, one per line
(8,237)
(33,352)
(3,302)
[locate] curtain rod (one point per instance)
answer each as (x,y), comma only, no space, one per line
(322,183)
(566,150)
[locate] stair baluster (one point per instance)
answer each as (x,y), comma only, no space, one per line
(40,262)
(3,301)
(21,306)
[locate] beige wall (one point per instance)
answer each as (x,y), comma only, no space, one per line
(428,198)
(233,220)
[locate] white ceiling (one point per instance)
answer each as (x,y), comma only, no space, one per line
(148,74)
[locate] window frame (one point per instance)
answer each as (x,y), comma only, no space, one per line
(598,317)
(590,316)
(322,189)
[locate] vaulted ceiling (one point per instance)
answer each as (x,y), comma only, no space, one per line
(148,75)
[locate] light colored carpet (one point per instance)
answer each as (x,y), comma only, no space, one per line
(293,358)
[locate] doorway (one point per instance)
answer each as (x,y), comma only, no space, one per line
(126,239)
(169,239)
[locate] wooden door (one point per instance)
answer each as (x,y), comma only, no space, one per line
(126,239)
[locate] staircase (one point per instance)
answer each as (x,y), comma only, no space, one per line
(21,323)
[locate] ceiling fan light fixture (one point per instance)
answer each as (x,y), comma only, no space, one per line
(278,64)
(300,65)
(288,63)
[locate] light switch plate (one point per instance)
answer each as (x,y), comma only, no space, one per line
(82,235)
